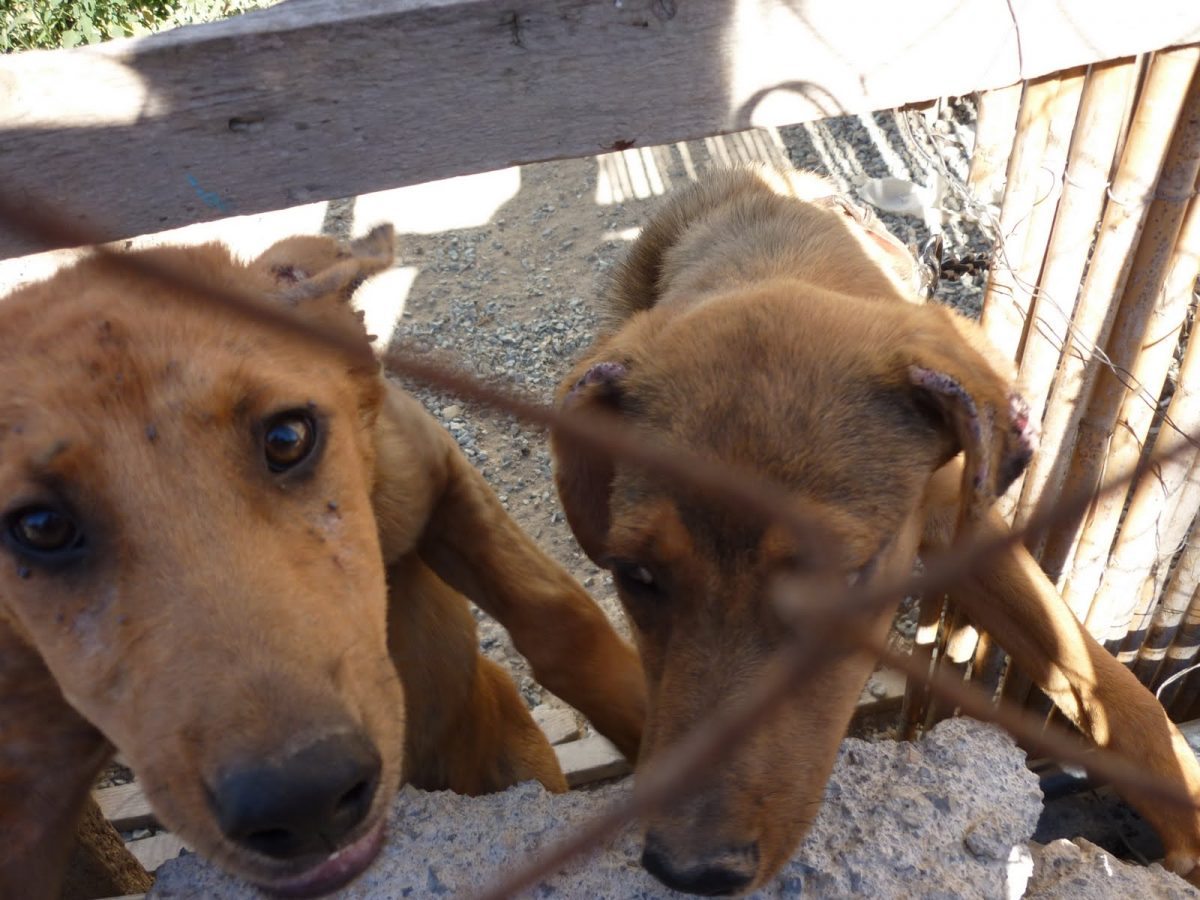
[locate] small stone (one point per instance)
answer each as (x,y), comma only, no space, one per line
(451,412)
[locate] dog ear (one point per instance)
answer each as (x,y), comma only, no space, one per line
(309,266)
(583,474)
(978,410)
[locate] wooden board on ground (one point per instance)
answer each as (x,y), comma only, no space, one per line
(558,724)
(153,851)
(125,806)
(317,99)
(591,759)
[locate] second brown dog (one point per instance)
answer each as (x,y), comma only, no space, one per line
(760,326)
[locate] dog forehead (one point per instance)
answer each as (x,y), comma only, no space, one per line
(828,421)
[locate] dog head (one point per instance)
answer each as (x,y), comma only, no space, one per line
(848,405)
(189,544)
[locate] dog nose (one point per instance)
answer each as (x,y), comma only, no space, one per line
(728,871)
(304,805)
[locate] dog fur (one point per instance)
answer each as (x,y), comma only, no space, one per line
(757,324)
(213,614)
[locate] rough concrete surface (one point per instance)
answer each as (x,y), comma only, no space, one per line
(946,817)
(1079,868)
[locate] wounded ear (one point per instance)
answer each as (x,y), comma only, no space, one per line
(582,473)
(302,268)
(988,421)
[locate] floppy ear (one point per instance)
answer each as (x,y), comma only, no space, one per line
(318,276)
(583,474)
(309,266)
(978,410)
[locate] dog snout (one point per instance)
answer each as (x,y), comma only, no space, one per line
(305,805)
(727,870)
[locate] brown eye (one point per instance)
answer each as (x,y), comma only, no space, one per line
(635,577)
(288,440)
(44,531)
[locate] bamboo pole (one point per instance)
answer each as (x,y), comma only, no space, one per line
(958,650)
(1146,542)
(1180,513)
(1047,120)
(1106,104)
(1004,310)
(1180,697)
(1181,655)
(1183,643)
(1151,664)
(995,130)
(930,609)
(1143,340)
(1106,101)
(1142,159)
(1143,69)
(1047,180)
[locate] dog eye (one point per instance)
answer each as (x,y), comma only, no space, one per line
(288,440)
(44,531)
(634,577)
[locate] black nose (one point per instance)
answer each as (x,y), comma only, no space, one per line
(304,805)
(729,872)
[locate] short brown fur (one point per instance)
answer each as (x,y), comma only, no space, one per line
(220,613)
(757,324)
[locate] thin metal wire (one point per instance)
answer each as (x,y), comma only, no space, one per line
(1078,343)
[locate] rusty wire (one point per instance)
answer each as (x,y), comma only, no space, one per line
(825,630)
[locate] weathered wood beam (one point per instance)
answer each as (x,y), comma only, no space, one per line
(315,99)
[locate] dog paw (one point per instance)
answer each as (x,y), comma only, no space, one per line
(1185,864)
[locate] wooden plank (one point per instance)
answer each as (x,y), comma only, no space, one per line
(152,852)
(590,759)
(884,690)
(315,99)
(557,723)
(125,806)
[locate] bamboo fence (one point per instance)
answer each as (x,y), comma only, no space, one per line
(1092,293)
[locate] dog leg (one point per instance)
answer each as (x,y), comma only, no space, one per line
(1010,597)
(475,547)
(49,757)
(468,730)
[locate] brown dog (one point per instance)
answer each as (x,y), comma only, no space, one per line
(221,541)
(773,334)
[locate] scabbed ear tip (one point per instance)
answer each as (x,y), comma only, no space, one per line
(1024,429)
(608,374)
(378,243)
